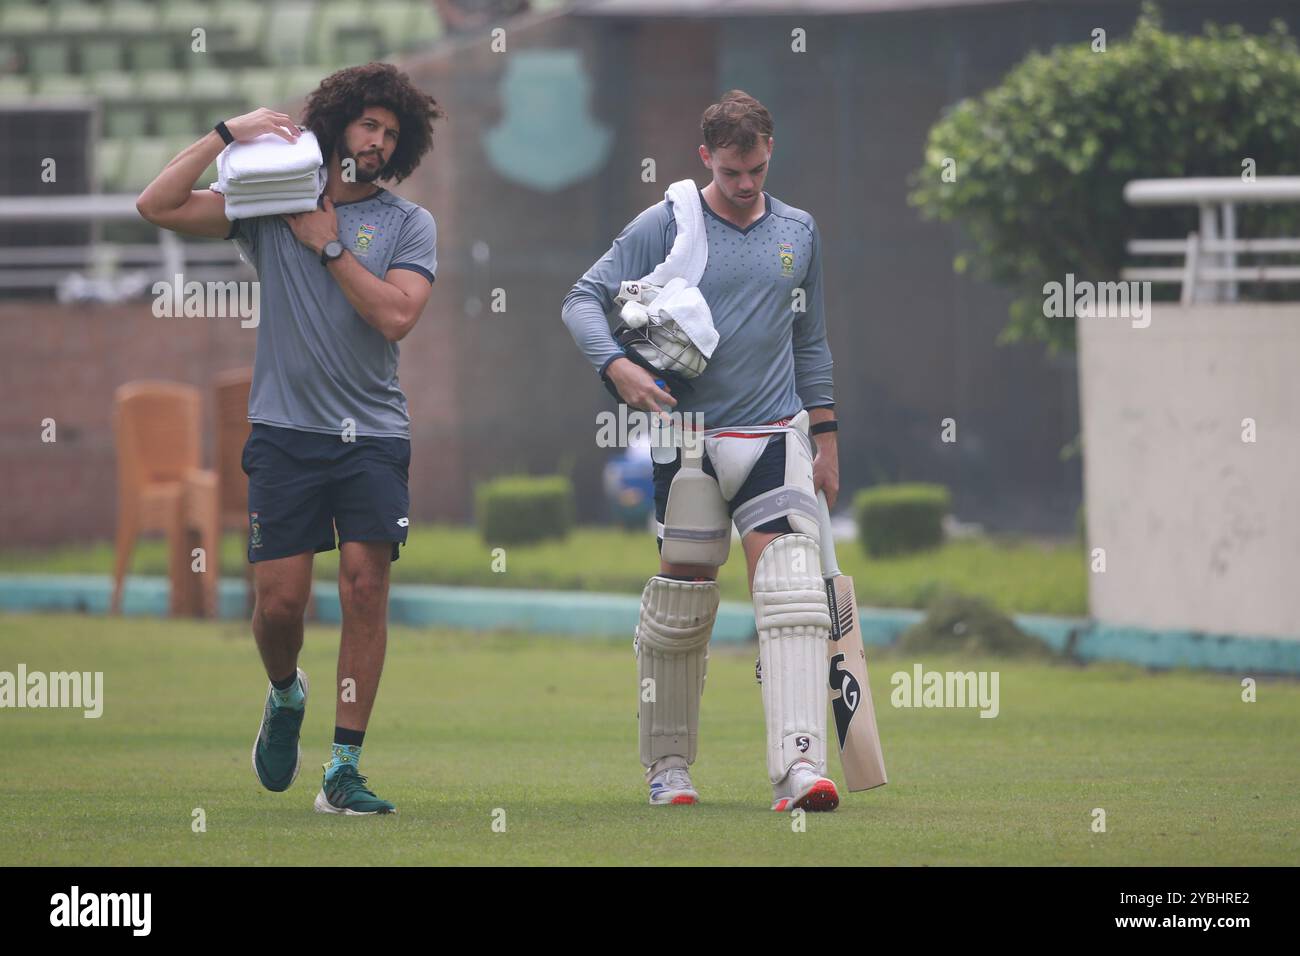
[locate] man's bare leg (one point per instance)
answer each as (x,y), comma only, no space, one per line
(281,588)
(363,595)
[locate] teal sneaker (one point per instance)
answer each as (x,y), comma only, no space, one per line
(276,753)
(346,793)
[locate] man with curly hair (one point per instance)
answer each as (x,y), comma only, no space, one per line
(330,441)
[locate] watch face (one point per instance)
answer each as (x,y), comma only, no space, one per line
(333,249)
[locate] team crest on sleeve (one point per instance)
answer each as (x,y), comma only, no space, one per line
(786,251)
(365,236)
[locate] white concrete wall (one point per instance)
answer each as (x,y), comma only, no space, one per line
(1201,530)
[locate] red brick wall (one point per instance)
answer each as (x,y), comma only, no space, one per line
(65,363)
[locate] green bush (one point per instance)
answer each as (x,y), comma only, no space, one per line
(971,627)
(900,519)
(1042,158)
(520,509)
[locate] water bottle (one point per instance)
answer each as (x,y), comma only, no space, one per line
(663,447)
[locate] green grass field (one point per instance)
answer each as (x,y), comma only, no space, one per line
(1013,574)
(545,729)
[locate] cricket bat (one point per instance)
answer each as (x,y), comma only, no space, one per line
(853,713)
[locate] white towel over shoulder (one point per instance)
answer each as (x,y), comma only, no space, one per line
(686,260)
(690,252)
(267,158)
(267,176)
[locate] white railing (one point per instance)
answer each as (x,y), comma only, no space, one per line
(107,266)
(1210,272)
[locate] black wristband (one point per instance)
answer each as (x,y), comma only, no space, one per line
(822,427)
(224,133)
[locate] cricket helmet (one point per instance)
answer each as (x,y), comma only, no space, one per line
(655,337)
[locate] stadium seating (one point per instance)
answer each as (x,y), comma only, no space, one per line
(136,59)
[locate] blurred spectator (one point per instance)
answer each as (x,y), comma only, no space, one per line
(629,485)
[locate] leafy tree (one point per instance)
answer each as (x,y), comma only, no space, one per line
(1042,158)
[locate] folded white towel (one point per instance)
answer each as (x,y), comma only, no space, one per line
(237,198)
(268,157)
(310,186)
(680,273)
(272,198)
(298,185)
(283,198)
(252,208)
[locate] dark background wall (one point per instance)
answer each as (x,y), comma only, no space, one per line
(495,392)
(913,342)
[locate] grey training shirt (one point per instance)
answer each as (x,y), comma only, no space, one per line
(319,362)
(771,360)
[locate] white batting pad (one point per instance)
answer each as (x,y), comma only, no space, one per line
(672,655)
(794,623)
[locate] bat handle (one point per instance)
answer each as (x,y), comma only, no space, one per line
(830,567)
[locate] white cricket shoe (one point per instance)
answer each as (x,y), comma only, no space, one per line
(672,786)
(803,788)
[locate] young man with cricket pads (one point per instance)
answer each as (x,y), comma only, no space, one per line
(767,381)
(330,441)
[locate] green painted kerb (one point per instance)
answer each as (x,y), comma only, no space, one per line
(580,614)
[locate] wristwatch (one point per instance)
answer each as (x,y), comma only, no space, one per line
(333,249)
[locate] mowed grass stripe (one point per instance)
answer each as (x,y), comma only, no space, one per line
(546,729)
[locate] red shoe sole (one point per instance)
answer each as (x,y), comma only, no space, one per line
(682,799)
(823,796)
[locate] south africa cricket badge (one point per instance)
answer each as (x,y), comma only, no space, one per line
(365,235)
(786,251)
(254,530)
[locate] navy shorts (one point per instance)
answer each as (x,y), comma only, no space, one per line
(767,474)
(302,486)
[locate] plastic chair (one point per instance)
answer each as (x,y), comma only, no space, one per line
(160,487)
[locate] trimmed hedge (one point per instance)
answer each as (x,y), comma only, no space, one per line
(900,519)
(521,509)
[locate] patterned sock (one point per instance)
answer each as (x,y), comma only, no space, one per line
(290,696)
(346,750)
(342,755)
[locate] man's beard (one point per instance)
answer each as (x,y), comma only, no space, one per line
(363,173)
